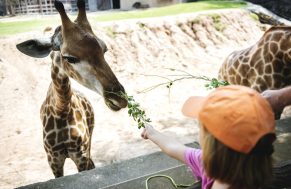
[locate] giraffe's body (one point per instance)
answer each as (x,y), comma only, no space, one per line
(265,65)
(67,116)
(68,121)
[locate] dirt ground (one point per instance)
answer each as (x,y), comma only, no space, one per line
(137,49)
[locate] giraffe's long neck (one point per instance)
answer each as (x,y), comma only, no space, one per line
(60,89)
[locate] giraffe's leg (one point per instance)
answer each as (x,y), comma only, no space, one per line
(82,161)
(56,162)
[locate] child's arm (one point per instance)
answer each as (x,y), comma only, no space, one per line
(167,144)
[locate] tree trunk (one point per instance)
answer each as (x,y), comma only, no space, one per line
(40,6)
(51,6)
(11,9)
(6,7)
(26,4)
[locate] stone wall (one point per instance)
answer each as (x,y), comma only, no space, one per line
(280,7)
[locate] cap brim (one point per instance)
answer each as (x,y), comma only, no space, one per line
(192,106)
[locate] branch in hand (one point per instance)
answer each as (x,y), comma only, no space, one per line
(135,111)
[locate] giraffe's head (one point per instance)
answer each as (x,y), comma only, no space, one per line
(79,53)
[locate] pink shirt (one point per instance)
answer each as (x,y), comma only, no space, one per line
(194,161)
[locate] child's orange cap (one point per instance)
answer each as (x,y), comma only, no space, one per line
(237,116)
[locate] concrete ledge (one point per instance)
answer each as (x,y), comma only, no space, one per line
(132,173)
(119,175)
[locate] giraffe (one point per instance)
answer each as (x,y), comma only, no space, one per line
(66,115)
(264,65)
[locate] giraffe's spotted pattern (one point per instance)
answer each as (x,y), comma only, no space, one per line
(68,122)
(265,65)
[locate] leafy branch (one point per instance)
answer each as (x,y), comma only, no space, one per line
(212,82)
(215,83)
(135,111)
(138,114)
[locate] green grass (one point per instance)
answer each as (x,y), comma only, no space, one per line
(14,27)
(11,28)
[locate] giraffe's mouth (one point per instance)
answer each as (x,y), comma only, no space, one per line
(115,105)
(114,98)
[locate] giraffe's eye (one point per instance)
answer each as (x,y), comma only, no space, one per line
(71,59)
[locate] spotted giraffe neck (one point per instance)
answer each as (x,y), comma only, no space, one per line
(60,91)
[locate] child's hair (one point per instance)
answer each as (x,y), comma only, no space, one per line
(239,129)
(239,170)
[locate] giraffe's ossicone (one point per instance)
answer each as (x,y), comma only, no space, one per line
(67,116)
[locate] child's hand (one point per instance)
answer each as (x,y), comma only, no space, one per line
(147,131)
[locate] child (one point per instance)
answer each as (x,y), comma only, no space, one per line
(236,136)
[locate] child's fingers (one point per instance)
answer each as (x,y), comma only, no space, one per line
(143,134)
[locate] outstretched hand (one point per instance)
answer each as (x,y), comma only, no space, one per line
(148,130)
(167,144)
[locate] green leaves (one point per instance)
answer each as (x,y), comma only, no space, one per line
(214,83)
(135,111)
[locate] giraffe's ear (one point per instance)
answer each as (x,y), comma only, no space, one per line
(103,45)
(37,48)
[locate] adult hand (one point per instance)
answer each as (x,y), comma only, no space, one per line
(274,98)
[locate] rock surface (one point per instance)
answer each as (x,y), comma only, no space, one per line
(280,7)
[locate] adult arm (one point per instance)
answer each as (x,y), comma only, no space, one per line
(278,99)
(167,144)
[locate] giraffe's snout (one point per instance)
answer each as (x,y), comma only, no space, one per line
(115,99)
(115,105)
